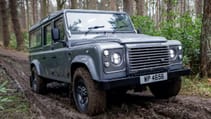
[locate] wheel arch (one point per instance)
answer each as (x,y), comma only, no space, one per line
(86,62)
(36,64)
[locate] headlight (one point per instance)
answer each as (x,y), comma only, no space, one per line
(106,52)
(113,60)
(172,53)
(175,53)
(180,47)
(116,58)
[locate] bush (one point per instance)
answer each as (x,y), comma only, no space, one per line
(13,43)
(3,99)
(185,29)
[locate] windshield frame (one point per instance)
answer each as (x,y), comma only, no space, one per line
(101,31)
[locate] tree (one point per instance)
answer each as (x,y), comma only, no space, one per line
(23,15)
(198,7)
(34,10)
(140,7)
(113,5)
(1,38)
(169,10)
(5,23)
(92,4)
(182,7)
(16,24)
(128,6)
(73,4)
(205,39)
(27,14)
(44,8)
(60,4)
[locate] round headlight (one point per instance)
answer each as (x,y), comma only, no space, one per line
(172,53)
(180,47)
(106,52)
(116,58)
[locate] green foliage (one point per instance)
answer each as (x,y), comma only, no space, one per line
(194,86)
(3,99)
(13,43)
(145,24)
(185,29)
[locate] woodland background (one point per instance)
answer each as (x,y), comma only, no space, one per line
(185,20)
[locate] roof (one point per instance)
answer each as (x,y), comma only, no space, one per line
(58,13)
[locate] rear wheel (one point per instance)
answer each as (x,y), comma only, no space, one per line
(87,97)
(38,85)
(166,89)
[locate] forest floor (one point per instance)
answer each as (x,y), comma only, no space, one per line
(14,67)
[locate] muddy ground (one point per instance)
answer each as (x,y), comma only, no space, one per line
(57,105)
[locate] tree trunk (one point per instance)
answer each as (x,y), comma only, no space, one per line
(44,8)
(23,15)
(158,13)
(103,4)
(73,4)
(1,37)
(27,12)
(60,4)
(198,7)
(205,39)
(169,10)
(5,23)
(182,7)
(140,7)
(113,5)
(34,11)
(92,4)
(128,6)
(16,24)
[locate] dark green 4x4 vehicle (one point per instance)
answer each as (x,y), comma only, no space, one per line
(97,52)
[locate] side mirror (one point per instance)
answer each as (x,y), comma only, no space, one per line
(55,33)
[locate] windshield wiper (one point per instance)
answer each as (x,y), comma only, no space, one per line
(119,27)
(93,27)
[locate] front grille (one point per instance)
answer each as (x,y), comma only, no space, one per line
(144,58)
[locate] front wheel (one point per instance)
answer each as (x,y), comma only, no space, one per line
(87,97)
(166,89)
(38,85)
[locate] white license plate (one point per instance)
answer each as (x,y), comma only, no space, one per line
(153,78)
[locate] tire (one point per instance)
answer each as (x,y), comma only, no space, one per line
(166,89)
(88,99)
(38,85)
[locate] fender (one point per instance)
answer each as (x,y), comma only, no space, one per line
(89,63)
(36,63)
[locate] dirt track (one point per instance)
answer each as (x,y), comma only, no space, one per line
(56,104)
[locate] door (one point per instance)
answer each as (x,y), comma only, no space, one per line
(60,56)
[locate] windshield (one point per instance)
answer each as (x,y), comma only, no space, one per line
(98,22)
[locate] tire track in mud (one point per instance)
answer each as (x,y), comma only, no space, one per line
(46,107)
(56,104)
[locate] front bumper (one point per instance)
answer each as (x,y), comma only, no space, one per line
(134,80)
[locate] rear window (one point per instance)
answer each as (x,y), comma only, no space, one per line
(35,39)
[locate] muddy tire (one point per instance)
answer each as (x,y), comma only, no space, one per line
(88,99)
(167,89)
(38,85)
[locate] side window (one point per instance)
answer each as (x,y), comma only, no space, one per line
(47,34)
(60,25)
(35,39)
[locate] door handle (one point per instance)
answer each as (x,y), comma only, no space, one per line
(53,57)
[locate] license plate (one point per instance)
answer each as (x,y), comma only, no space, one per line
(153,78)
